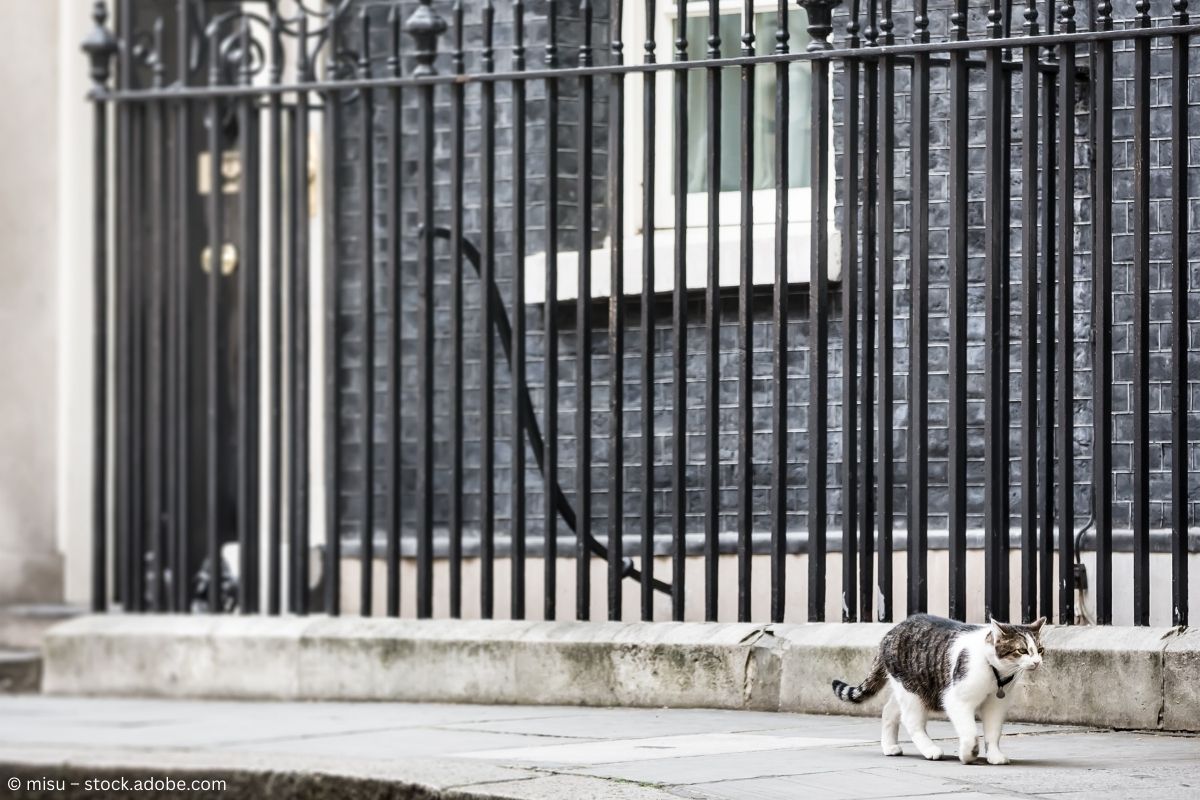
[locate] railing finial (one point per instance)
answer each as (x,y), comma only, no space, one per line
(425,26)
(820,22)
(100,45)
(551,59)
(681,42)
(921,23)
(958,21)
(994,17)
(585,46)
(395,26)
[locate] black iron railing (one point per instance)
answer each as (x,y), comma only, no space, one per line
(961,368)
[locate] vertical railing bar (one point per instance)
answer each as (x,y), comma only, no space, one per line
(136,596)
(887,277)
(395,279)
(779,395)
(425,26)
(918,451)
(616,319)
(212,362)
(869,209)
(1102,281)
(288,393)
(290,334)
(550,323)
(959,133)
(298,408)
(487,431)
(367,385)
(518,315)
(275,324)
(182,408)
(1179,321)
(1029,314)
(745,398)
(167,535)
(583,332)
(332,101)
(712,318)
(123,308)
(457,320)
(103,306)
(1004,452)
(1140,387)
(248,360)
(995,517)
(155,387)
(679,325)
(100,46)
(174,272)
(819,28)
(1066,339)
(135,565)
(1048,221)
(298,335)
(649,112)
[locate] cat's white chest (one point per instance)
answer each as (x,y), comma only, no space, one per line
(978,684)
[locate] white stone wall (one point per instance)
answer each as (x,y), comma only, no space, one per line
(45,309)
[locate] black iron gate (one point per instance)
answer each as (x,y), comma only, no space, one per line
(326,216)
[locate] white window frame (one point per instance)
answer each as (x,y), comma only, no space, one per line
(662,238)
(799,199)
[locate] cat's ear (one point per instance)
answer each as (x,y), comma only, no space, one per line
(1036,625)
(997,632)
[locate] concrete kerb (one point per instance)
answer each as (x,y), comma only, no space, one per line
(1181,682)
(634,664)
(817,654)
(1110,677)
(1146,678)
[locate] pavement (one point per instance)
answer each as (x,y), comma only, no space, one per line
(460,751)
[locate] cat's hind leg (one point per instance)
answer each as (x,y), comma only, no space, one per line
(914,715)
(891,727)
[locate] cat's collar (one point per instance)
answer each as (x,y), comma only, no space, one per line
(1001,682)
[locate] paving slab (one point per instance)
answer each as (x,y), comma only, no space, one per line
(472,752)
(617,722)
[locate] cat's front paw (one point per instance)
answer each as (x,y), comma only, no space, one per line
(933,753)
(892,750)
(968,751)
(997,758)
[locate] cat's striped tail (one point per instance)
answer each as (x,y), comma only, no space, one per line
(867,689)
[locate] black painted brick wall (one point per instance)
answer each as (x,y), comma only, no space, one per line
(349,248)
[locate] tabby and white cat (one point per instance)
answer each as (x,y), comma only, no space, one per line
(932,663)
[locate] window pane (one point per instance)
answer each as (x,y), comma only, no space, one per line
(765,127)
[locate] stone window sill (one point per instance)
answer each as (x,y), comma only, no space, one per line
(729,274)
